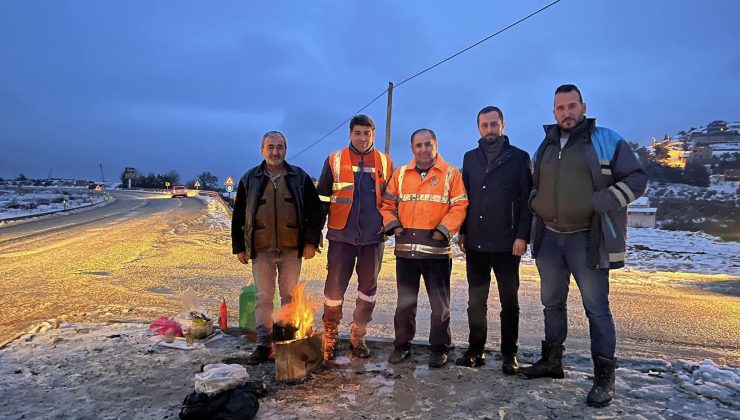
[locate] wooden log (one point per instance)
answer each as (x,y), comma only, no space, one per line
(295,359)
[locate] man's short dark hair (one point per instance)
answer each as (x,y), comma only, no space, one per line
(488,109)
(361,119)
(423,130)
(569,88)
(274,135)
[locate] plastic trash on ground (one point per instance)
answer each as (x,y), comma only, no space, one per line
(164,324)
(219,377)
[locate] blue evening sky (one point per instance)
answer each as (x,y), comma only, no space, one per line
(192,86)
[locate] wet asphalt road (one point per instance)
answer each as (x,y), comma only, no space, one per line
(132,258)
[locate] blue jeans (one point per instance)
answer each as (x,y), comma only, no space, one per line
(559,256)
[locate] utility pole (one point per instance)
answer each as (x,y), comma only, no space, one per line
(388,120)
(101,172)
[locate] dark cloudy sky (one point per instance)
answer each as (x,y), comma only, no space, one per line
(192,86)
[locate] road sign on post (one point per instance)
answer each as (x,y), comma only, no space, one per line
(167,184)
(229,185)
(129,174)
(197,185)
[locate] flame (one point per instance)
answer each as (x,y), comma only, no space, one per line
(299,312)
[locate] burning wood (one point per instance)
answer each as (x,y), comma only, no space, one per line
(298,351)
(298,313)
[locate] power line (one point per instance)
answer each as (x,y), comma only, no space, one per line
(424,71)
(477,43)
(339,126)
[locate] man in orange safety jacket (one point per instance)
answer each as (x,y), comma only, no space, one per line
(424,206)
(350,188)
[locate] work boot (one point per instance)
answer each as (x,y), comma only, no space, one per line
(261,355)
(398,355)
(602,392)
(357,341)
(330,340)
(437,359)
(510,366)
(550,364)
(471,359)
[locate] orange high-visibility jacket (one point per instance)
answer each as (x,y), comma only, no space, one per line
(343,188)
(421,207)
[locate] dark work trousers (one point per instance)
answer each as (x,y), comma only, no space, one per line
(506,268)
(436,273)
(344,258)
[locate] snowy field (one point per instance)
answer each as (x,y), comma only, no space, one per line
(680,251)
(652,249)
(21,201)
(718,190)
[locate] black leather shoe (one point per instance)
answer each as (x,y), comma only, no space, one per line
(260,355)
(437,360)
(471,360)
(398,355)
(510,365)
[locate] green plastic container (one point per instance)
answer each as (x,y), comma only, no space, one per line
(247,305)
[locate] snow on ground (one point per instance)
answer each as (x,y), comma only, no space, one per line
(718,190)
(651,249)
(96,371)
(215,216)
(35,201)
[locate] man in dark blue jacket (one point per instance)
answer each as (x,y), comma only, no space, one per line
(584,177)
(498,179)
(277,221)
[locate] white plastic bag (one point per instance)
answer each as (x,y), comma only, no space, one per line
(219,377)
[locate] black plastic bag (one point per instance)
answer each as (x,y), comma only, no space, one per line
(234,404)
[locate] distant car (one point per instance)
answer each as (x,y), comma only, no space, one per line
(179,191)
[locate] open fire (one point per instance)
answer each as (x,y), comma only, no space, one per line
(298,313)
(298,351)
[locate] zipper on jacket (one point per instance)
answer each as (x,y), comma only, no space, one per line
(358,187)
(274,205)
(512,216)
(557,186)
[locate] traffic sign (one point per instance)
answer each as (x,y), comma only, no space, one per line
(167,183)
(229,188)
(229,181)
(97,188)
(197,184)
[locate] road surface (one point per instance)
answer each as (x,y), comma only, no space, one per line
(132,259)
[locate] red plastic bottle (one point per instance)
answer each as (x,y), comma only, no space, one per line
(223,315)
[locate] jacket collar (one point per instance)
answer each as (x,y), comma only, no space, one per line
(439,164)
(354,150)
(261,170)
(552,131)
(503,139)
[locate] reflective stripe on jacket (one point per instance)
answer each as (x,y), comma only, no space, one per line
(422,207)
(343,187)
